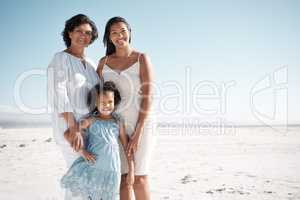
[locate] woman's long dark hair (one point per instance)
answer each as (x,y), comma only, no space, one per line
(110,47)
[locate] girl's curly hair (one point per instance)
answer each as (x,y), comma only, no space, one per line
(102,88)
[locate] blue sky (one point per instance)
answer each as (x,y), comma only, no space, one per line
(219,41)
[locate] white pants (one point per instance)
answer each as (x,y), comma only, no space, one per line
(70,156)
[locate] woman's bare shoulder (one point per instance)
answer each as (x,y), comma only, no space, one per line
(101,63)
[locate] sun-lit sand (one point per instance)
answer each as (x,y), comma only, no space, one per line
(248,163)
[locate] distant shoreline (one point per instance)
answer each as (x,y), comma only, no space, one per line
(24,125)
(162,125)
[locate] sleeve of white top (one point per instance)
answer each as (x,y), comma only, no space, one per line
(57,79)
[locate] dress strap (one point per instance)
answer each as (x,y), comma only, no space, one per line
(100,69)
(139,57)
(105,61)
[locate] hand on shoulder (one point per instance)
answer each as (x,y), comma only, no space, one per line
(85,123)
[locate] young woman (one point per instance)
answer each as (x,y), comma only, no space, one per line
(132,73)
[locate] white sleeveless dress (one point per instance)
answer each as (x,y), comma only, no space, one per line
(129,83)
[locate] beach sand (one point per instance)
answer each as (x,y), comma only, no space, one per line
(247,163)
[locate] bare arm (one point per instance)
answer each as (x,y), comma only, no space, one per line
(124,142)
(146,95)
(84,124)
(100,67)
(75,130)
(146,76)
(70,120)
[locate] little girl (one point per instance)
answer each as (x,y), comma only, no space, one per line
(96,175)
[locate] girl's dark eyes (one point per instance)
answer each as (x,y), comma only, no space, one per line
(106,103)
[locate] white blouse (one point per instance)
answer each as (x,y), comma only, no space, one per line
(69,82)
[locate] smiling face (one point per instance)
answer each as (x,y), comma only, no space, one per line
(119,35)
(81,35)
(106,103)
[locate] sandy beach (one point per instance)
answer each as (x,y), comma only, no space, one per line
(248,163)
